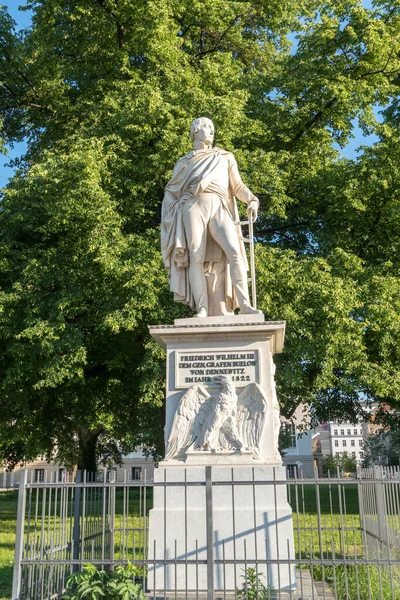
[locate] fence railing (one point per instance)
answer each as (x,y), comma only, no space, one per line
(8,481)
(346,536)
(380,510)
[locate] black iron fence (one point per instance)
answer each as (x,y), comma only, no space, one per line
(345,532)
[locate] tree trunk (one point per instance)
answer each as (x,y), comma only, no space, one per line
(87,449)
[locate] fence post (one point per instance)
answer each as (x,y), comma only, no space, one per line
(77,515)
(381,506)
(361,510)
(112,475)
(19,542)
(209,535)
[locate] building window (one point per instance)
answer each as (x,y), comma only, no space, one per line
(355,432)
(361,454)
(39,475)
(360,442)
(292,471)
(336,442)
(344,443)
(353,454)
(136,473)
(342,432)
(349,432)
(291,436)
(352,442)
(335,431)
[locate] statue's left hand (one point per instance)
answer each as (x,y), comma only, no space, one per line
(252,209)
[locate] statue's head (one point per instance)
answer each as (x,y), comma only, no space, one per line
(202,129)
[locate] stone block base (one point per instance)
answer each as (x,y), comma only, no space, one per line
(251,525)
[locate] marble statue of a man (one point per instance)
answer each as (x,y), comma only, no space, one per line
(201,238)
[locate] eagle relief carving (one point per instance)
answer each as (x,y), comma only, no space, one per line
(218,422)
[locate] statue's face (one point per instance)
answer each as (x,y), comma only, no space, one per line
(205,132)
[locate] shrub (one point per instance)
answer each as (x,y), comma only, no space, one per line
(92,584)
(253,588)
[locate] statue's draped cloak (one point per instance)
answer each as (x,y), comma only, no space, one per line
(193,175)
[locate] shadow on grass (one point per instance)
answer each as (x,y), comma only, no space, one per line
(7,545)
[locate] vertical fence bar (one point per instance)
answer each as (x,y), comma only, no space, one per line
(42,536)
(125,518)
(186,537)
(145,527)
(277,532)
(319,526)
(209,536)
(380,506)
(83,521)
(341,530)
(234,532)
(165,531)
(19,542)
(103,517)
(111,524)
(77,516)
(255,530)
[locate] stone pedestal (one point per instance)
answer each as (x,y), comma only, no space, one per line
(251,524)
(243,496)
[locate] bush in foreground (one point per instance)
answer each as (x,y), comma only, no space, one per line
(93,584)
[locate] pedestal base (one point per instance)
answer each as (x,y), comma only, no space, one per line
(210,530)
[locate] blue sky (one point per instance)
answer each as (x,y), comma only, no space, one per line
(23,20)
(21,17)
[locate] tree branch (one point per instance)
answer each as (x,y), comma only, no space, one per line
(313,120)
(221,37)
(120,28)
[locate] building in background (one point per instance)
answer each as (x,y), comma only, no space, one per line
(346,437)
(335,437)
(298,457)
(135,467)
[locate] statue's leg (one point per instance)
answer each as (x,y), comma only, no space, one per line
(194,215)
(224,232)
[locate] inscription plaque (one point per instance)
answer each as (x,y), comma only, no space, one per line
(201,367)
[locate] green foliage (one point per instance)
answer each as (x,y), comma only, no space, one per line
(382,448)
(93,584)
(253,587)
(104,92)
(285,438)
(343,462)
(75,308)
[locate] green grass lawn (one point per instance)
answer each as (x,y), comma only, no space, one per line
(8,523)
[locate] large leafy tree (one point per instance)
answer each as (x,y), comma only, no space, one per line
(104,91)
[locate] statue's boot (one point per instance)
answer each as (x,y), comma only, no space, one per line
(239,280)
(246,309)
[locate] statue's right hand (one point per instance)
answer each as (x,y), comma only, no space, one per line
(252,210)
